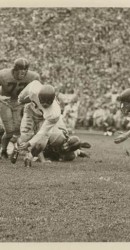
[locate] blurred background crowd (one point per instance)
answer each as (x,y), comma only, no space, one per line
(78,50)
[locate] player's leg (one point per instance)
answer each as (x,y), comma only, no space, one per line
(17,117)
(7,120)
(17,111)
(28,159)
(85,144)
(35,121)
(26,131)
(74,144)
(27,124)
(30,124)
(1,129)
(11,119)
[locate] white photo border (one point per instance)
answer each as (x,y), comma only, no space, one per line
(53,4)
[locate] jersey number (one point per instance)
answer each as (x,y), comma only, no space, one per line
(19,86)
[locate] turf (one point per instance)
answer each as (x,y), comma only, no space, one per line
(85,200)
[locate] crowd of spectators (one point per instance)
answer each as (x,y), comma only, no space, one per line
(102,114)
(74,48)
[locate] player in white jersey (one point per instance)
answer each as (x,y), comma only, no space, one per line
(42,127)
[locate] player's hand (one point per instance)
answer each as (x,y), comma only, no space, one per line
(24,145)
(121,138)
(24,100)
(66,146)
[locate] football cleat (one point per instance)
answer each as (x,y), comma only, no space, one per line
(14,156)
(3,154)
(85,145)
(27,162)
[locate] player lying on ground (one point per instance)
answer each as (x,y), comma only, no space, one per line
(60,147)
(42,127)
(12,82)
(124,99)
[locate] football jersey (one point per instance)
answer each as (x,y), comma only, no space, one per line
(51,115)
(12,87)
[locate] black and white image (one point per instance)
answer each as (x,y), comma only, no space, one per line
(64,124)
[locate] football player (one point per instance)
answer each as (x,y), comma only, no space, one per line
(12,82)
(42,127)
(124,100)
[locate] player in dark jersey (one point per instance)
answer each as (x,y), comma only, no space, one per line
(12,82)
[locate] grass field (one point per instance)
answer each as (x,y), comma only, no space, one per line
(85,200)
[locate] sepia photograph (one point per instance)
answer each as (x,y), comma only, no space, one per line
(64,124)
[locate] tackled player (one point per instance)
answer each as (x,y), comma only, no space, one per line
(42,128)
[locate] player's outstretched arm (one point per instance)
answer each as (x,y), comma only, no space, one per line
(122,137)
(24,145)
